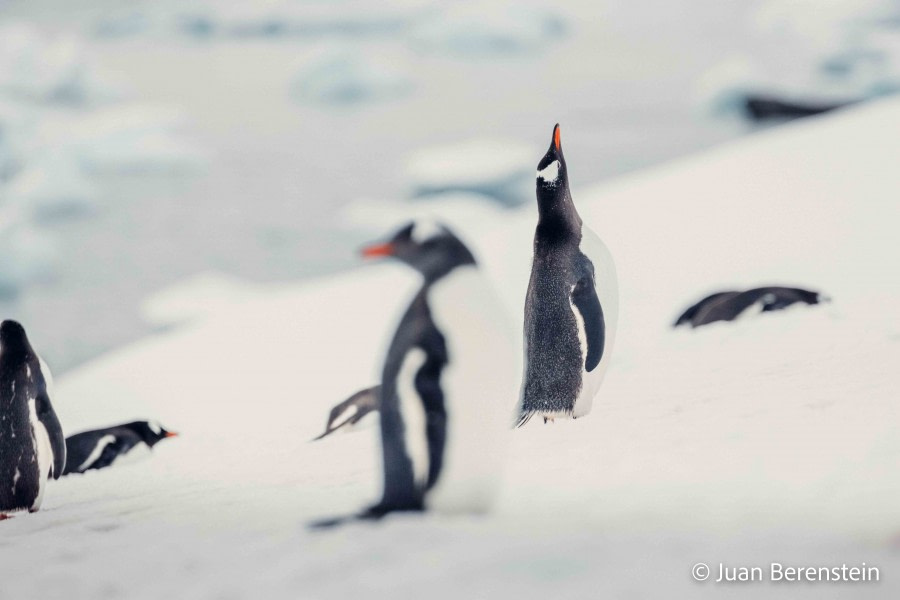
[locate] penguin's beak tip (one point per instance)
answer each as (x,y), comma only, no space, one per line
(377,250)
(556,142)
(171,434)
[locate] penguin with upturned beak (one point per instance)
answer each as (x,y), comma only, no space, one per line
(571,307)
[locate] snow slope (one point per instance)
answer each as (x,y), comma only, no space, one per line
(770,439)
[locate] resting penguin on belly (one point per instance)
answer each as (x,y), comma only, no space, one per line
(32,446)
(571,306)
(100,448)
(448,382)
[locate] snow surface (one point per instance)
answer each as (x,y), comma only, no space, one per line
(501,169)
(341,78)
(773,438)
(62,130)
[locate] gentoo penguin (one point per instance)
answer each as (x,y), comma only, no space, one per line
(352,410)
(32,446)
(571,306)
(690,314)
(100,448)
(448,381)
(728,306)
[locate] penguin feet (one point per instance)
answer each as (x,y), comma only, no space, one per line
(549,420)
(4,516)
(373,513)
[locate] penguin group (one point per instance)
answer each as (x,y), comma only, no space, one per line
(449,384)
(33,449)
(449,392)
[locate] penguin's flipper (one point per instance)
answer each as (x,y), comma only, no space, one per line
(584,297)
(351,410)
(49,420)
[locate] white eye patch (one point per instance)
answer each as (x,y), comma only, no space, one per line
(154,427)
(425,230)
(550,173)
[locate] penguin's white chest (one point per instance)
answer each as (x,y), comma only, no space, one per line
(42,450)
(479,384)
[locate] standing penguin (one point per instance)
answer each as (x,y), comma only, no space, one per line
(448,382)
(32,446)
(571,306)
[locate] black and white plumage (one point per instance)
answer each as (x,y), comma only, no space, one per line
(448,381)
(352,410)
(730,305)
(100,448)
(571,307)
(32,446)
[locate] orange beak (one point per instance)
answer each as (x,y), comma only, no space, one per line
(556,136)
(171,434)
(378,250)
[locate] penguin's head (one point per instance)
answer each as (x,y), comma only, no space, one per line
(151,432)
(552,178)
(426,246)
(13,340)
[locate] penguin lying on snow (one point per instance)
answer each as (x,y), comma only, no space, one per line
(448,382)
(728,306)
(571,307)
(352,410)
(32,446)
(101,448)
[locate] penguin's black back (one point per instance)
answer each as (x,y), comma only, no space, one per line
(81,446)
(730,307)
(18,460)
(21,381)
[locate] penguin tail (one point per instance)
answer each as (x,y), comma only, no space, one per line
(319,437)
(524,418)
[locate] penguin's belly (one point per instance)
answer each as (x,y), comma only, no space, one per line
(554,354)
(479,384)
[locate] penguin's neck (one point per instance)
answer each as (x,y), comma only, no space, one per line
(557,216)
(455,255)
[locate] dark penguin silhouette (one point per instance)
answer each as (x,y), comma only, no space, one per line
(448,382)
(728,306)
(689,315)
(771,108)
(571,306)
(100,448)
(352,410)
(32,446)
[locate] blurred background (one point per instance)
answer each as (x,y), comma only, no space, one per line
(145,142)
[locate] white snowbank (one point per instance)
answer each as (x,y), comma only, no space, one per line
(279,18)
(43,68)
(345,78)
(500,169)
(27,255)
(486,28)
(772,439)
(51,188)
(125,138)
(812,52)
